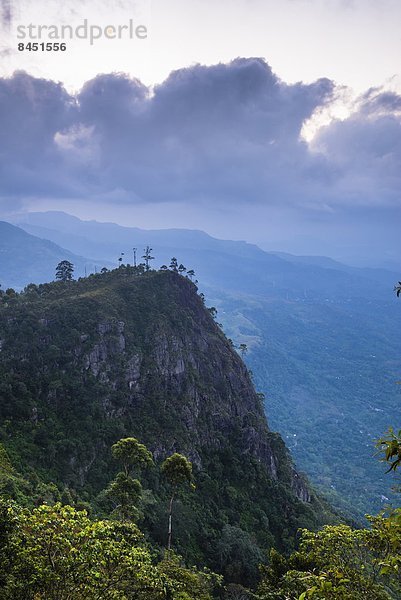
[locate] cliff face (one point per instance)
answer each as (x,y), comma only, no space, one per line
(86,363)
(179,365)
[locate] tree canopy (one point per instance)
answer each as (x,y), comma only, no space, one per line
(131,453)
(64,270)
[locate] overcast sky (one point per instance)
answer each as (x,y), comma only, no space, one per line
(288,131)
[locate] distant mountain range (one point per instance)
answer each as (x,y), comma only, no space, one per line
(26,258)
(321,336)
(234,265)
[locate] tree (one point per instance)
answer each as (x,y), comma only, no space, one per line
(58,553)
(239,557)
(148,257)
(131,453)
(9,479)
(181,269)
(390,446)
(190,584)
(191,274)
(213,311)
(5,464)
(125,491)
(177,469)
(243,348)
(336,563)
(64,270)
(174,264)
(397,289)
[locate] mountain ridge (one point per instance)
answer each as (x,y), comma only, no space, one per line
(124,354)
(26,258)
(213,259)
(299,322)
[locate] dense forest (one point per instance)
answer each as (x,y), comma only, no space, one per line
(134,446)
(319,335)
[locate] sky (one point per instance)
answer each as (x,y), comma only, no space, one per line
(278,122)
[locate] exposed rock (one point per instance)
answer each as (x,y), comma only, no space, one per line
(143,357)
(194,374)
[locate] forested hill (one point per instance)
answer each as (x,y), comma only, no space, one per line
(85,363)
(319,336)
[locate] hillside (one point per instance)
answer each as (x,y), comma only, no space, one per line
(25,258)
(329,374)
(85,363)
(320,337)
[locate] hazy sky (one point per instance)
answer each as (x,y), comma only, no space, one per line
(354,42)
(301,145)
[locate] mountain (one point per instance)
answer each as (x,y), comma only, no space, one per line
(320,335)
(25,258)
(119,354)
(329,372)
(236,266)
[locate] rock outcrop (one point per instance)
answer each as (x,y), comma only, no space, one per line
(123,354)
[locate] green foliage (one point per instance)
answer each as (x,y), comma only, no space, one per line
(177,469)
(337,563)
(58,553)
(238,555)
(326,366)
(390,446)
(125,492)
(130,353)
(189,584)
(131,453)
(5,463)
(64,270)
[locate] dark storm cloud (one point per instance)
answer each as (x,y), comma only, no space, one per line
(223,132)
(221,135)
(32,111)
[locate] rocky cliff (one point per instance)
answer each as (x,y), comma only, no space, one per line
(85,363)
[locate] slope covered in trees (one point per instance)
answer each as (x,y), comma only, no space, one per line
(126,353)
(320,338)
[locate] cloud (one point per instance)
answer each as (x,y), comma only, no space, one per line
(365,151)
(228,131)
(226,136)
(6,13)
(32,112)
